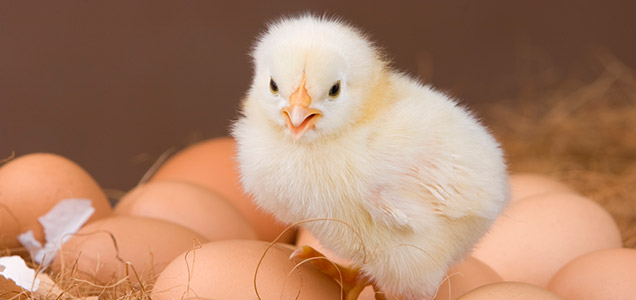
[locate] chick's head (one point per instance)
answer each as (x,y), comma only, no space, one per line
(312,76)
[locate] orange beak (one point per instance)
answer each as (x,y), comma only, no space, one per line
(298,116)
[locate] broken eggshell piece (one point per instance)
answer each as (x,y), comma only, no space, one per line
(59,224)
(15,269)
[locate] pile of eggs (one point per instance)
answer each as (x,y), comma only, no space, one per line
(190,232)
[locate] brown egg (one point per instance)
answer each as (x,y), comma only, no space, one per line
(600,275)
(189,205)
(469,274)
(148,244)
(465,276)
(509,291)
(305,238)
(536,236)
(212,164)
(527,185)
(226,269)
(32,184)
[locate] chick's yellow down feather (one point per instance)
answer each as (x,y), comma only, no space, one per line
(329,130)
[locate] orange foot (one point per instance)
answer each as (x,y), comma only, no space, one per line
(350,278)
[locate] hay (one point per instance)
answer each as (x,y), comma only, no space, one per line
(582,133)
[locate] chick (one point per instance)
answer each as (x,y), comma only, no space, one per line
(330,130)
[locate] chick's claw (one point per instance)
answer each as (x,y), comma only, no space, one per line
(350,278)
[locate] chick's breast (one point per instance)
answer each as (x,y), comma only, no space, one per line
(297,181)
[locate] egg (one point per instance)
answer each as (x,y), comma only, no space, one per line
(467,275)
(212,164)
(189,205)
(470,273)
(526,185)
(509,291)
(600,275)
(32,184)
(102,248)
(226,270)
(536,236)
(305,238)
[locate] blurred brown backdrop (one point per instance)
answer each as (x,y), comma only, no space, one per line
(113,84)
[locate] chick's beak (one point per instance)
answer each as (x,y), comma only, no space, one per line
(298,116)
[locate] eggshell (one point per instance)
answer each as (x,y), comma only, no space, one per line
(148,244)
(467,275)
(509,291)
(189,205)
(536,236)
(11,267)
(212,164)
(600,275)
(226,270)
(9,290)
(527,185)
(32,184)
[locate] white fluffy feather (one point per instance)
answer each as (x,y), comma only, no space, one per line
(414,173)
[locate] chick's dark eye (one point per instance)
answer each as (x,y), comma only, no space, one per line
(273,87)
(334,91)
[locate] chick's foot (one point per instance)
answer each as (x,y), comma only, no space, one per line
(350,278)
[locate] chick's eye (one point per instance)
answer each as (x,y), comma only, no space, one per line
(273,87)
(334,91)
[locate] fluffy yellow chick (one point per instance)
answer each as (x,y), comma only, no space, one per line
(329,130)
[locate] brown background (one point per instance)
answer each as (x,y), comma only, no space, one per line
(113,84)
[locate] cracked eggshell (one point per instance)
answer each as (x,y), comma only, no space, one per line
(212,164)
(16,278)
(189,205)
(225,270)
(148,244)
(32,184)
